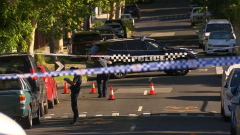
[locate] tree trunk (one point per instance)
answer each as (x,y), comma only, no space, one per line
(31,44)
(112,11)
(237,33)
(51,42)
(205,13)
(118,10)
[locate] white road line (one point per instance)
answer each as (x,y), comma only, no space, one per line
(48,117)
(163,114)
(82,115)
(219,70)
(133,115)
(150,79)
(145,92)
(183,114)
(140,108)
(98,115)
(147,114)
(132,127)
(64,116)
(115,114)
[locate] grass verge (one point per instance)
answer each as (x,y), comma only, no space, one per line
(59,79)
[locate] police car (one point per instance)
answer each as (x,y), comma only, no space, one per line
(124,51)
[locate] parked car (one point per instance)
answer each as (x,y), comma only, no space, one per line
(7,125)
(235,113)
(196,15)
(117,29)
(132,9)
(215,25)
(106,32)
(192,4)
(81,42)
(120,22)
(219,40)
(19,101)
(52,90)
(26,64)
(229,86)
(227,72)
(129,17)
(122,52)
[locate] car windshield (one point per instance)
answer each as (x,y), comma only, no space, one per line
(130,7)
(11,63)
(125,16)
(198,10)
(221,35)
(105,31)
(235,80)
(10,84)
(114,26)
(218,27)
(86,37)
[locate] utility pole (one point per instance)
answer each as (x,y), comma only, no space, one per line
(205,17)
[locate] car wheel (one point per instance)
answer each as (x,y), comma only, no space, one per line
(192,23)
(56,99)
(51,103)
(27,122)
(46,106)
(41,108)
(37,120)
(119,75)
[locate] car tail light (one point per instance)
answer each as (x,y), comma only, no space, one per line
(22,99)
(33,71)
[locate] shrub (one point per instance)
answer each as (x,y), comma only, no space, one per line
(129,26)
(97,24)
(40,58)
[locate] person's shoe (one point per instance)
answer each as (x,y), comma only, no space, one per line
(100,96)
(74,123)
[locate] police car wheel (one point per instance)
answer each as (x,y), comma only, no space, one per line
(119,75)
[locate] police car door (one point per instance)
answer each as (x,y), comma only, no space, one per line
(155,50)
(136,48)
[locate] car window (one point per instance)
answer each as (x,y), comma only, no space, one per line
(12,63)
(105,31)
(13,84)
(114,21)
(114,26)
(93,49)
(86,37)
(235,80)
(153,45)
(28,85)
(218,27)
(116,46)
(134,45)
(221,35)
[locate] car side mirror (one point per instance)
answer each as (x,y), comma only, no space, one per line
(229,95)
(235,100)
(225,85)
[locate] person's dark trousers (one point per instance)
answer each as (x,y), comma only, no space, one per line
(102,90)
(74,96)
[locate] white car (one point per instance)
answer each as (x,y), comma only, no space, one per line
(229,85)
(128,16)
(196,15)
(219,41)
(227,71)
(117,29)
(215,25)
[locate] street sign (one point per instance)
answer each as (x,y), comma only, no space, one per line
(59,65)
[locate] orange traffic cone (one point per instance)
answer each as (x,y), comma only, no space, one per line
(93,90)
(111,95)
(152,92)
(65,89)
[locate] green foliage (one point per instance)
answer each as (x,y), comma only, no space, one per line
(40,58)
(128,24)
(97,24)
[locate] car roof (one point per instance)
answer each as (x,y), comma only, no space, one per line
(212,21)
(124,40)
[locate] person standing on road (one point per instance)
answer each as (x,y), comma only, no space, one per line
(75,89)
(102,89)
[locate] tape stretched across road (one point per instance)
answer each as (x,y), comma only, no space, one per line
(153,66)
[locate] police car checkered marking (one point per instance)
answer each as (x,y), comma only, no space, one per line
(173,56)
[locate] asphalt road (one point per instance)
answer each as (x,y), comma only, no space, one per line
(183,105)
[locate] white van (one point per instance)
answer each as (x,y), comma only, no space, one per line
(215,25)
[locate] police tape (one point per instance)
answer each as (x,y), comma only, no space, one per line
(153,66)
